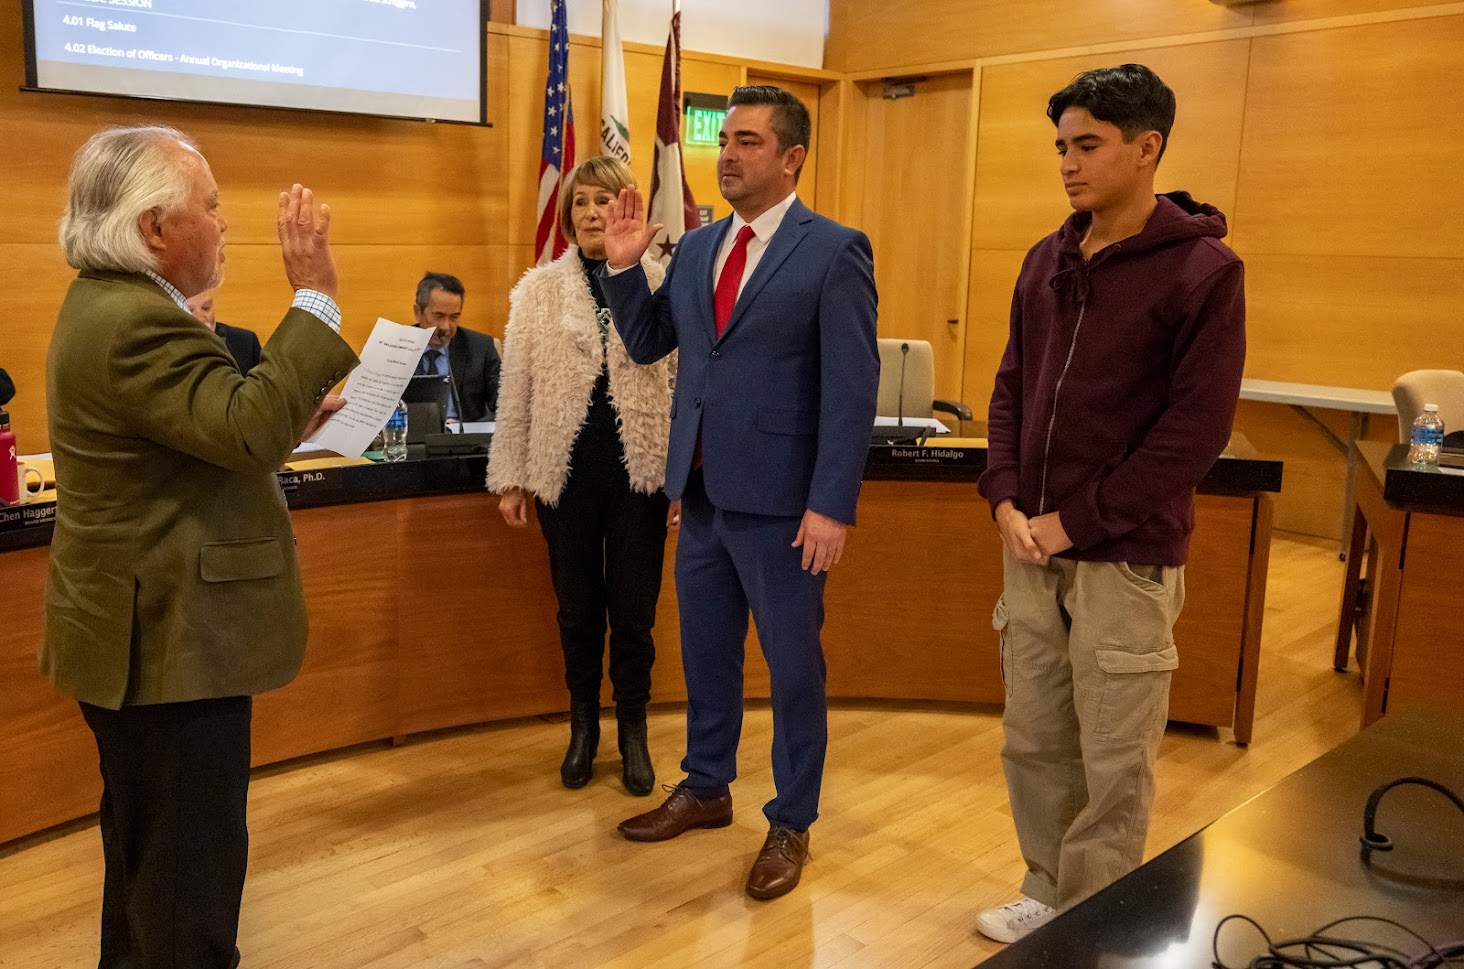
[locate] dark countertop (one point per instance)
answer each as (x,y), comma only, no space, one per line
(31,525)
(1432,491)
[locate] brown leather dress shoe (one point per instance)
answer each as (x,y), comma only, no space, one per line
(779,865)
(682,811)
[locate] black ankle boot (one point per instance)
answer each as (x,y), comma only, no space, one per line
(636,771)
(584,741)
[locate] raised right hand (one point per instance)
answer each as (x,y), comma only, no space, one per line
(514,507)
(627,237)
(305,241)
(1016,534)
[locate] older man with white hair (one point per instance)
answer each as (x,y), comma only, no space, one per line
(174,594)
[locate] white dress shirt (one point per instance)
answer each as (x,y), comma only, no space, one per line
(763,228)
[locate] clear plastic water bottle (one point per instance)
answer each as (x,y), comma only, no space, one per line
(1428,437)
(394,435)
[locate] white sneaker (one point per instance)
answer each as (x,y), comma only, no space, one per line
(1014,920)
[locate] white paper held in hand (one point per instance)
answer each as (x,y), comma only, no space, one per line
(388,361)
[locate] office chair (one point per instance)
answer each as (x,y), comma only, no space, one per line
(919,369)
(1418,387)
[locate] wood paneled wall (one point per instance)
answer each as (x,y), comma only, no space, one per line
(913,205)
(893,36)
(1319,126)
(406,196)
(887,34)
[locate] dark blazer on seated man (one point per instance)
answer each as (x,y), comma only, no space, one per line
(468,355)
(7,388)
(475,369)
(243,345)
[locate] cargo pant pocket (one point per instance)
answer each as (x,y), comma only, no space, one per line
(999,622)
(1135,693)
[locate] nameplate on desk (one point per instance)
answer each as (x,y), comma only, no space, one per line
(383,481)
(928,462)
(293,482)
(23,516)
(298,478)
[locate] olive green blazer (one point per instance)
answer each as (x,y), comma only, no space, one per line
(173,574)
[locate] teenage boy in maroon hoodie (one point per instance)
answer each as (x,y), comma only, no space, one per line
(1113,399)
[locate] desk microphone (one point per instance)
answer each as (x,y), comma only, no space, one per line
(904,355)
(457,404)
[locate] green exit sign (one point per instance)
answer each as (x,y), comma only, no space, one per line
(703,125)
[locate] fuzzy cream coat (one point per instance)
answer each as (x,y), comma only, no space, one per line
(552,355)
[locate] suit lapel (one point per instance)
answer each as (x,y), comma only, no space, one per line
(706,276)
(791,232)
(457,356)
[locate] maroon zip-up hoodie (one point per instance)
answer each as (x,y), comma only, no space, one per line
(1118,386)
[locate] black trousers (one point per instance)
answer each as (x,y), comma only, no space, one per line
(606,545)
(175,780)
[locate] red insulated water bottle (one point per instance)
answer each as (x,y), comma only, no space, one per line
(9,484)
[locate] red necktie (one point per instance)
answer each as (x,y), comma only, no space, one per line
(731,279)
(724,300)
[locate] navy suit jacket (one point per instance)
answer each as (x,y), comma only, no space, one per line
(785,399)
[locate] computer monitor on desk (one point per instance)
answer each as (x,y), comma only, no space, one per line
(429,389)
(426,397)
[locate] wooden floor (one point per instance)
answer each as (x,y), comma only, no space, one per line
(461,849)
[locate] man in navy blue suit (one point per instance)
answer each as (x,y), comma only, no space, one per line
(773,312)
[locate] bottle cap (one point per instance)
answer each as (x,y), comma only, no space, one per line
(1431,408)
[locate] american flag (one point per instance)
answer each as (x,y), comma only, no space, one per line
(558,154)
(671,202)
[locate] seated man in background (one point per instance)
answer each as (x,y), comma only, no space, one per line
(7,388)
(243,344)
(467,356)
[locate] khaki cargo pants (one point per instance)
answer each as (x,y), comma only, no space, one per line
(1087,650)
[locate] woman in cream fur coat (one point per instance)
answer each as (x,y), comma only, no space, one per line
(582,431)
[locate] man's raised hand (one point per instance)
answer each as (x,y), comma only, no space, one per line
(305,241)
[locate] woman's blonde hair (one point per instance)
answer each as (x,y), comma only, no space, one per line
(602,171)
